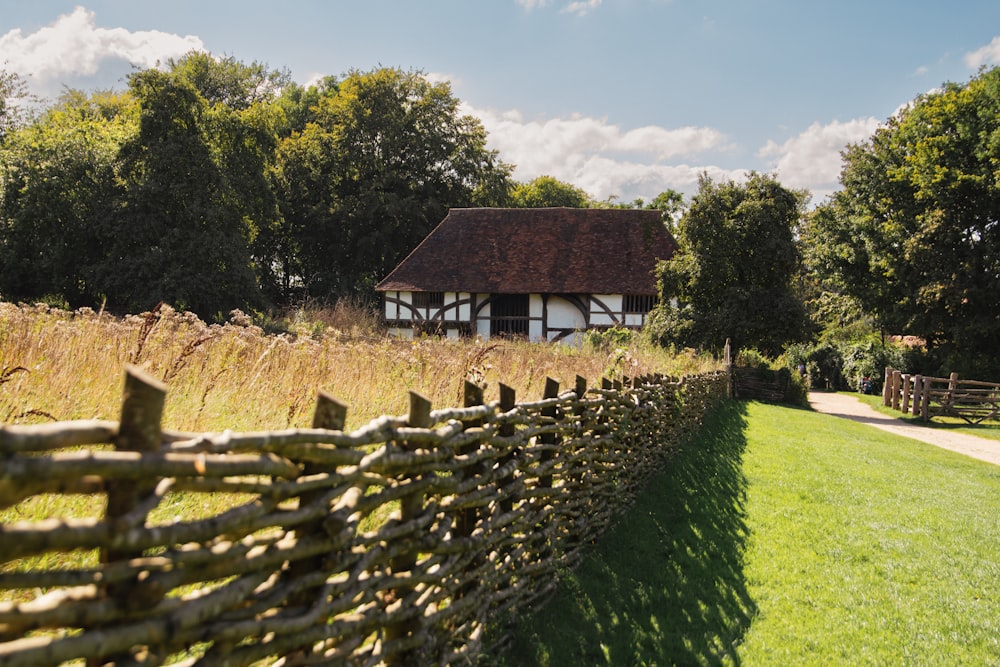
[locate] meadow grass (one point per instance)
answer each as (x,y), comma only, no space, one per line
(58,365)
(780,536)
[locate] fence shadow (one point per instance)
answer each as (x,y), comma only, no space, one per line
(665,585)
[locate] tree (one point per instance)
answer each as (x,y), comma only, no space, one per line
(670,203)
(12,89)
(732,276)
(547,191)
(228,81)
(386,154)
(59,187)
(178,236)
(914,234)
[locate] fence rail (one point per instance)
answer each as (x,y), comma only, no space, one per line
(970,400)
(398,543)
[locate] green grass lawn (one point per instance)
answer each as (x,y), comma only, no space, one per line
(786,537)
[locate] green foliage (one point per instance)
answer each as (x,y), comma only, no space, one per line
(752,358)
(842,365)
(609,339)
(619,344)
(217,185)
(180,234)
(59,191)
(13,92)
(913,234)
(732,276)
(229,82)
(547,191)
(796,387)
(361,185)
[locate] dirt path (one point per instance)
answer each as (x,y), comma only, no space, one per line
(845,405)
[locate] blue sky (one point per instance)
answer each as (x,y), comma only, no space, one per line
(622,98)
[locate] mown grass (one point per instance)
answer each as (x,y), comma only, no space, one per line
(785,537)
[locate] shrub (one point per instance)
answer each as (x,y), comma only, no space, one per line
(843,365)
(609,339)
(753,358)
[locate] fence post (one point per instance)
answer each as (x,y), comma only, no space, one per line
(139,430)
(410,507)
(925,400)
(465,521)
(905,403)
(918,388)
(952,388)
(551,391)
(508,399)
(887,387)
(896,378)
(329,414)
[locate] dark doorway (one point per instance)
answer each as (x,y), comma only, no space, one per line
(509,315)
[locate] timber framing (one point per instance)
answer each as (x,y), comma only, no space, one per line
(545,274)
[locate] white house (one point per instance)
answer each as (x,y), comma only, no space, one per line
(544,273)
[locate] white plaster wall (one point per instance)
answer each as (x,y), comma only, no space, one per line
(564,315)
(465,310)
(598,317)
(535,309)
(391,309)
(483,325)
(403,312)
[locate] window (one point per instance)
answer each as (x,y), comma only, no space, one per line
(638,303)
(428,299)
(509,315)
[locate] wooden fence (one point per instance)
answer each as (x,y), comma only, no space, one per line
(307,564)
(761,384)
(970,400)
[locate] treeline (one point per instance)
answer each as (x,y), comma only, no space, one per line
(910,245)
(213,184)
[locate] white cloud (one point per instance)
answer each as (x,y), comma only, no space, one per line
(601,158)
(812,159)
(438,77)
(578,7)
(532,4)
(984,56)
(581,7)
(73,45)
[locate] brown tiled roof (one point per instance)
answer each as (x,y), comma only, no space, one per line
(537,250)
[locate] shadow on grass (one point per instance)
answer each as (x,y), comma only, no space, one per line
(665,585)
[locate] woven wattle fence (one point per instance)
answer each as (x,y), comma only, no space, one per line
(413,540)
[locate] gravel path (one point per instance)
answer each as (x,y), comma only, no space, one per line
(848,407)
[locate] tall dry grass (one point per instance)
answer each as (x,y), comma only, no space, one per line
(59,365)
